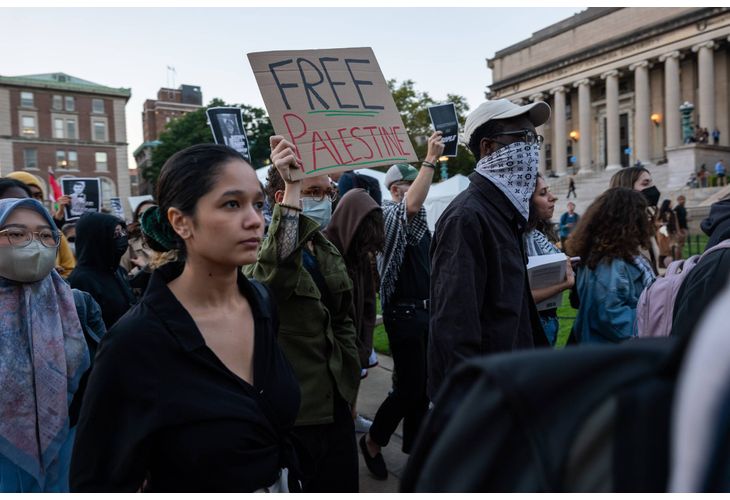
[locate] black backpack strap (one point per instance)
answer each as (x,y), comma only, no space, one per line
(311,264)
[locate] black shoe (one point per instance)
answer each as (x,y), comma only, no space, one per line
(376,464)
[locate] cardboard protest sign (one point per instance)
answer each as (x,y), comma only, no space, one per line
(334,106)
(85,194)
(117,209)
(227,127)
(443,118)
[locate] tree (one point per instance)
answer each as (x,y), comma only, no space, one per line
(413,106)
(193,128)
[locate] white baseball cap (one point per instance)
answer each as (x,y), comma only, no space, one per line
(537,112)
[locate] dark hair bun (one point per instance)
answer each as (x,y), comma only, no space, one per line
(157,230)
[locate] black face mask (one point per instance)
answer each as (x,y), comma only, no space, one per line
(652,195)
(120,246)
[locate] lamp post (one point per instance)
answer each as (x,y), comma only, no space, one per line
(686,110)
(444,162)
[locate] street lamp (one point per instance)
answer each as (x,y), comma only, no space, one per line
(444,162)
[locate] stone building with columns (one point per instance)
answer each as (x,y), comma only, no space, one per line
(616,78)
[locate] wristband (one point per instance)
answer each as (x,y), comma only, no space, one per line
(425,163)
(290,207)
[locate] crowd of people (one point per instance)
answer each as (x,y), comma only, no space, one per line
(218,340)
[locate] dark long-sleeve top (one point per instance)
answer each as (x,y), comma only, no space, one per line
(160,406)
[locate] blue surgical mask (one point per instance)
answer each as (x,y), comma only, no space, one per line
(320,211)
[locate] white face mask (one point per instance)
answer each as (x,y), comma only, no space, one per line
(320,211)
(27,264)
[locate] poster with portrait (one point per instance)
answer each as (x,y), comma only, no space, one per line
(85,194)
(445,121)
(227,127)
(117,209)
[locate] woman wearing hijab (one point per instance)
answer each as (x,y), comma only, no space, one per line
(101,240)
(43,353)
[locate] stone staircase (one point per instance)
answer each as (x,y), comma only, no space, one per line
(671,183)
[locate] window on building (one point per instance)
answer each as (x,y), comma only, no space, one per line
(101,161)
(71,129)
(26,99)
(30,158)
(97,106)
(58,129)
(61,159)
(73,159)
(99,131)
(70,103)
(57,102)
(27,126)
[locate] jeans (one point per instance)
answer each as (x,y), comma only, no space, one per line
(407,329)
(328,453)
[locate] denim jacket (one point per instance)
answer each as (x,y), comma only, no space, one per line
(608,297)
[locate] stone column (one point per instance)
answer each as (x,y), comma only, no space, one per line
(642,115)
(560,157)
(706,66)
(540,130)
(671,98)
(613,153)
(584,122)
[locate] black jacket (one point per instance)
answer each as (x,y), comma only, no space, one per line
(97,268)
(160,406)
(708,278)
(480,298)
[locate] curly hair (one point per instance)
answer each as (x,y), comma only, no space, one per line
(614,226)
(274,183)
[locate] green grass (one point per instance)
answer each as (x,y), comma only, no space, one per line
(696,245)
(566,314)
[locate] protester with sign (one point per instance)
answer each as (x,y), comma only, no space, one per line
(190,390)
(65,260)
(101,241)
(308,278)
(84,194)
(405,272)
(480,297)
(43,353)
(609,239)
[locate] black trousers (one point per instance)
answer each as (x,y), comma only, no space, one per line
(328,453)
(407,330)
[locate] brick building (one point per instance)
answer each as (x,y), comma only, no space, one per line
(73,125)
(156,114)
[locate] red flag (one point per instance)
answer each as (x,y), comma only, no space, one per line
(55,192)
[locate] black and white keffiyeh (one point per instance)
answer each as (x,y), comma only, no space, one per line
(513,169)
(399,232)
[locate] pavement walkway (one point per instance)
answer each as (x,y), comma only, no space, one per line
(373,390)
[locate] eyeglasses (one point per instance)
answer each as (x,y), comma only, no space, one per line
(20,237)
(525,135)
(318,194)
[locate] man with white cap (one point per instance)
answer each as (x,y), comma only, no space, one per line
(404,268)
(480,297)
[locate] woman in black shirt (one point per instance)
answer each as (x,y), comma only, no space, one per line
(189,390)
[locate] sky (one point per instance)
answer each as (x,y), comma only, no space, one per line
(443,50)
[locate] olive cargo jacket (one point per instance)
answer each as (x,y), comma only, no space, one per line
(318,341)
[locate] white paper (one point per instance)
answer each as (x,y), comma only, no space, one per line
(544,271)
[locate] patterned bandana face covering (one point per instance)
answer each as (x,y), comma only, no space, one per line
(513,169)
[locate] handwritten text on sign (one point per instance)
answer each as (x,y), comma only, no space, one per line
(334,106)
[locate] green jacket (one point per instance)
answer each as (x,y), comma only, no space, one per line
(319,343)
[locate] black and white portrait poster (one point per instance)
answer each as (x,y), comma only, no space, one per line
(85,194)
(444,120)
(227,127)
(117,209)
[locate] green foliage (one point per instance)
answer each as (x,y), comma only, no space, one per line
(193,128)
(413,106)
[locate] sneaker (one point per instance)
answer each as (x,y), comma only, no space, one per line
(363,373)
(376,464)
(373,359)
(362,424)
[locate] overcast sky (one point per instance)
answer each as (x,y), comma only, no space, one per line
(442,50)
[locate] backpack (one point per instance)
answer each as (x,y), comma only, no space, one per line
(590,418)
(656,303)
